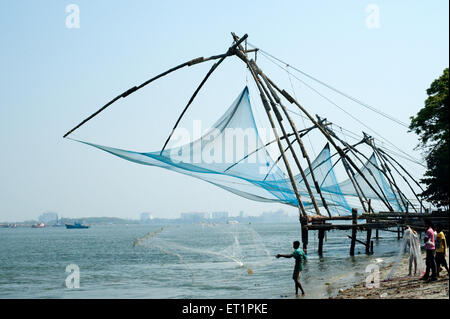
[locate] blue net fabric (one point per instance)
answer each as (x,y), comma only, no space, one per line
(377,180)
(249,172)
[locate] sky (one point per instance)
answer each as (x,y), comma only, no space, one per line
(53,75)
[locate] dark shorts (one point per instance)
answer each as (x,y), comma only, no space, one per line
(440,259)
(296,274)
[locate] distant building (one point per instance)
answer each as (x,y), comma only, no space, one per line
(241,214)
(275,216)
(194,216)
(146,217)
(219,215)
(48,218)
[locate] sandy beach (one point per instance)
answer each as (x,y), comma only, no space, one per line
(401,286)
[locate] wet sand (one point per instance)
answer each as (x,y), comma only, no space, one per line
(401,286)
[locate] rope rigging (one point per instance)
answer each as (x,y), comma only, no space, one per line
(343,110)
(266,54)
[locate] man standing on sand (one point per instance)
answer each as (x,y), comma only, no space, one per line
(441,249)
(299,256)
(430,246)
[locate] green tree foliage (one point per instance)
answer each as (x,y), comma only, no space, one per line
(432,125)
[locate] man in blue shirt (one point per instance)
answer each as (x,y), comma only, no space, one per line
(299,256)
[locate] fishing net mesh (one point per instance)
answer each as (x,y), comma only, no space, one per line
(411,246)
(233,156)
(235,249)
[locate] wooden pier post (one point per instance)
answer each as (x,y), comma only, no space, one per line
(321,236)
(354,222)
(304,224)
(376,234)
(398,233)
(368,241)
(371,247)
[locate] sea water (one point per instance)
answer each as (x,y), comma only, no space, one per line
(33,263)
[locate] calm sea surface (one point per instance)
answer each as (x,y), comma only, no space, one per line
(179,261)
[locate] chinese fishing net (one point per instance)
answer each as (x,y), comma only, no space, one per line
(247,169)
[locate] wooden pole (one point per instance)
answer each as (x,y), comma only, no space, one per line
(321,236)
(407,173)
(354,150)
(302,212)
(244,58)
(354,222)
(239,52)
(354,183)
(300,142)
(294,155)
(404,178)
(326,134)
(294,140)
(391,180)
(368,240)
(135,88)
(304,227)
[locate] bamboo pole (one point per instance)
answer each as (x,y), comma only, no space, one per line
(231,51)
(368,237)
(327,136)
(404,178)
(391,182)
(354,223)
(279,157)
(294,155)
(361,196)
(321,234)
(272,123)
(300,142)
(215,65)
(354,150)
(302,212)
(135,88)
(412,178)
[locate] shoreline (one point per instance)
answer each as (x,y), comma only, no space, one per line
(401,286)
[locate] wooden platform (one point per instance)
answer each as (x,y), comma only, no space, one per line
(386,221)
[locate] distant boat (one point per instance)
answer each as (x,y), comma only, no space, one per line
(232,222)
(39,225)
(8,225)
(76,226)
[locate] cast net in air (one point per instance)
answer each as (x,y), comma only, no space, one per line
(198,249)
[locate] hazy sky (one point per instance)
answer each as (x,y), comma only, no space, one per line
(53,76)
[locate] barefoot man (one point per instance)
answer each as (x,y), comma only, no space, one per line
(299,256)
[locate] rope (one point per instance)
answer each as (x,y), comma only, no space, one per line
(412,159)
(336,90)
(303,120)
